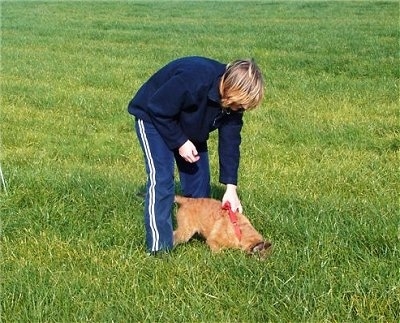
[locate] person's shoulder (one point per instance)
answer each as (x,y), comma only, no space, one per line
(197,60)
(200,68)
(209,63)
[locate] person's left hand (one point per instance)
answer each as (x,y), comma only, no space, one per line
(232,197)
(189,152)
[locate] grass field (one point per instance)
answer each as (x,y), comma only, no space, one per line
(319,171)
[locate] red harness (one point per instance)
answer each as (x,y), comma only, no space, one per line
(234,219)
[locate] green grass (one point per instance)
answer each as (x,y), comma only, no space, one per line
(319,171)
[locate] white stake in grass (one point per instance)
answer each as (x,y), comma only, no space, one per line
(2,180)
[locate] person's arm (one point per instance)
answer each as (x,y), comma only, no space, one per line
(164,108)
(229,140)
(229,155)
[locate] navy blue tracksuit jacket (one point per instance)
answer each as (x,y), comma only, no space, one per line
(182,100)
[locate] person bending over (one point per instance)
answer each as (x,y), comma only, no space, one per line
(175,111)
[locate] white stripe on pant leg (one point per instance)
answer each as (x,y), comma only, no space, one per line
(152,177)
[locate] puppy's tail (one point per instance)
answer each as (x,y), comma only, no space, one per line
(180,199)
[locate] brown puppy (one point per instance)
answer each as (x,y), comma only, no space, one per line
(207,217)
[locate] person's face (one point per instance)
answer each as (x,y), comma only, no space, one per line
(237,107)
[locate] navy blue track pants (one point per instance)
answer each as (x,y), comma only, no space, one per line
(160,190)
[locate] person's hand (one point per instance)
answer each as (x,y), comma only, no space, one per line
(189,152)
(232,197)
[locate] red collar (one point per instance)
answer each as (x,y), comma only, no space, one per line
(234,219)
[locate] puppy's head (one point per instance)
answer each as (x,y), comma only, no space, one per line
(262,249)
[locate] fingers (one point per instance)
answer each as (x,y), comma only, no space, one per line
(236,206)
(194,151)
(192,158)
(189,152)
(231,196)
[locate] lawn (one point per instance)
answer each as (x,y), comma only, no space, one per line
(319,172)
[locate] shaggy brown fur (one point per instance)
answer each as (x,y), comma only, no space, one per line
(206,217)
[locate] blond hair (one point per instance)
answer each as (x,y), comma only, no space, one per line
(242,85)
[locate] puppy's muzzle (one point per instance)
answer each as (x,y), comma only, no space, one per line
(262,249)
(263,245)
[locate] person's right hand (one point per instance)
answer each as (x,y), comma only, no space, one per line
(189,152)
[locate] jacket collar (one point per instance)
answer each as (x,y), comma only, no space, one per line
(213,93)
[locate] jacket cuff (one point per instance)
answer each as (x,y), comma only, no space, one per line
(228,180)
